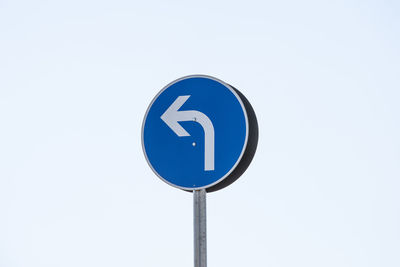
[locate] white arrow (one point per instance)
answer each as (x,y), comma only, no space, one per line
(172,116)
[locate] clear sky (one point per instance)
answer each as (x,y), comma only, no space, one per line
(76,78)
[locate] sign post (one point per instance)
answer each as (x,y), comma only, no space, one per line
(199,134)
(200,228)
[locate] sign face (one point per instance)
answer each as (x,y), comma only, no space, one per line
(195,132)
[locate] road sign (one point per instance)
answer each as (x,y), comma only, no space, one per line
(199,133)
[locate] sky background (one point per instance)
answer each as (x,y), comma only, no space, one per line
(76,78)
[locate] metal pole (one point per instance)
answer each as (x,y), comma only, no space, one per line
(200,228)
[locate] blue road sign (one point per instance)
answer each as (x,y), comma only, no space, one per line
(195,132)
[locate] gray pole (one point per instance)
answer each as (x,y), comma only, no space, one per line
(200,228)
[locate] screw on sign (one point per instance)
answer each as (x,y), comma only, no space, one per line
(199,134)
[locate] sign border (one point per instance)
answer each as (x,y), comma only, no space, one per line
(243,148)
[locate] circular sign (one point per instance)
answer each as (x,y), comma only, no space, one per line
(199,132)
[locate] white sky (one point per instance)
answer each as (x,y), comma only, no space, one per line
(75,81)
